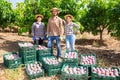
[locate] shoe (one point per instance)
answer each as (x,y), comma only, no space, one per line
(59,59)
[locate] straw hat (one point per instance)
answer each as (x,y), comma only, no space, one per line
(68,15)
(55,9)
(39,15)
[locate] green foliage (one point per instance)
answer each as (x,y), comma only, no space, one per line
(115,20)
(92,15)
(97,17)
(6,14)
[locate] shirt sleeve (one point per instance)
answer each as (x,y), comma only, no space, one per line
(77,26)
(48,27)
(33,29)
(61,27)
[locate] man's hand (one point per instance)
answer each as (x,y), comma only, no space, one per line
(61,38)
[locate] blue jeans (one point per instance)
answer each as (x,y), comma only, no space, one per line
(50,42)
(70,42)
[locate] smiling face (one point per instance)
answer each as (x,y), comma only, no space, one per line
(68,19)
(54,12)
(39,19)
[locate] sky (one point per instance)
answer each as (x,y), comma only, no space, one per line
(14,2)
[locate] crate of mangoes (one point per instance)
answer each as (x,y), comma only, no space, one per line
(51,62)
(43,51)
(100,73)
(88,59)
(26,46)
(71,57)
(34,70)
(12,60)
(74,72)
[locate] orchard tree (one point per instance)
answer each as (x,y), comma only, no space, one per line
(6,14)
(96,18)
(114,27)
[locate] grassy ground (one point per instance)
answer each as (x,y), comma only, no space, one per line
(107,55)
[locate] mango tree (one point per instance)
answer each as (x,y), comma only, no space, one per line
(96,19)
(6,14)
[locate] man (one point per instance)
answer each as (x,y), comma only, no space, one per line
(38,30)
(55,31)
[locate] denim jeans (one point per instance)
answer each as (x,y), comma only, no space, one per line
(70,42)
(50,42)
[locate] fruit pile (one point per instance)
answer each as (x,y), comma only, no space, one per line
(106,72)
(41,47)
(11,56)
(88,60)
(34,68)
(75,70)
(51,61)
(71,55)
(25,44)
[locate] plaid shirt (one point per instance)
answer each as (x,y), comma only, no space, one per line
(69,28)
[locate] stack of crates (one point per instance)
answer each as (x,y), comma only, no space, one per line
(74,72)
(28,53)
(51,65)
(12,60)
(88,60)
(72,58)
(43,53)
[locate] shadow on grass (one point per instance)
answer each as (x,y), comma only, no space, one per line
(10,46)
(109,57)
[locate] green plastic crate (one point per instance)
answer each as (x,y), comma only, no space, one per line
(29,59)
(51,66)
(27,53)
(32,76)
(52,72)
(40,58)
(14,63)
(24,49)
(71,60)
(44,52)
(65,76)
(95,76)
(87,55)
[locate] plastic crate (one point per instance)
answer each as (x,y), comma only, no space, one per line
(51,66)
(70,60)
(87,55)
(33,76)
(41,57)
(66,76)
(24,49)
(27,54)
(44,52)
(95,76)
(29,59)
(52,72)
(13,63)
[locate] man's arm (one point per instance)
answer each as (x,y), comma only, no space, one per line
(33,29)
(61,27)
(48,27)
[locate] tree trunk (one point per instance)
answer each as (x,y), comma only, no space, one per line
(101,37)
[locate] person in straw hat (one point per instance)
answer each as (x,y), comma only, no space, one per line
(70,32)
(38,30)
(55,31)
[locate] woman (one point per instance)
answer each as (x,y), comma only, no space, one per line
(38,30)
(69,32)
